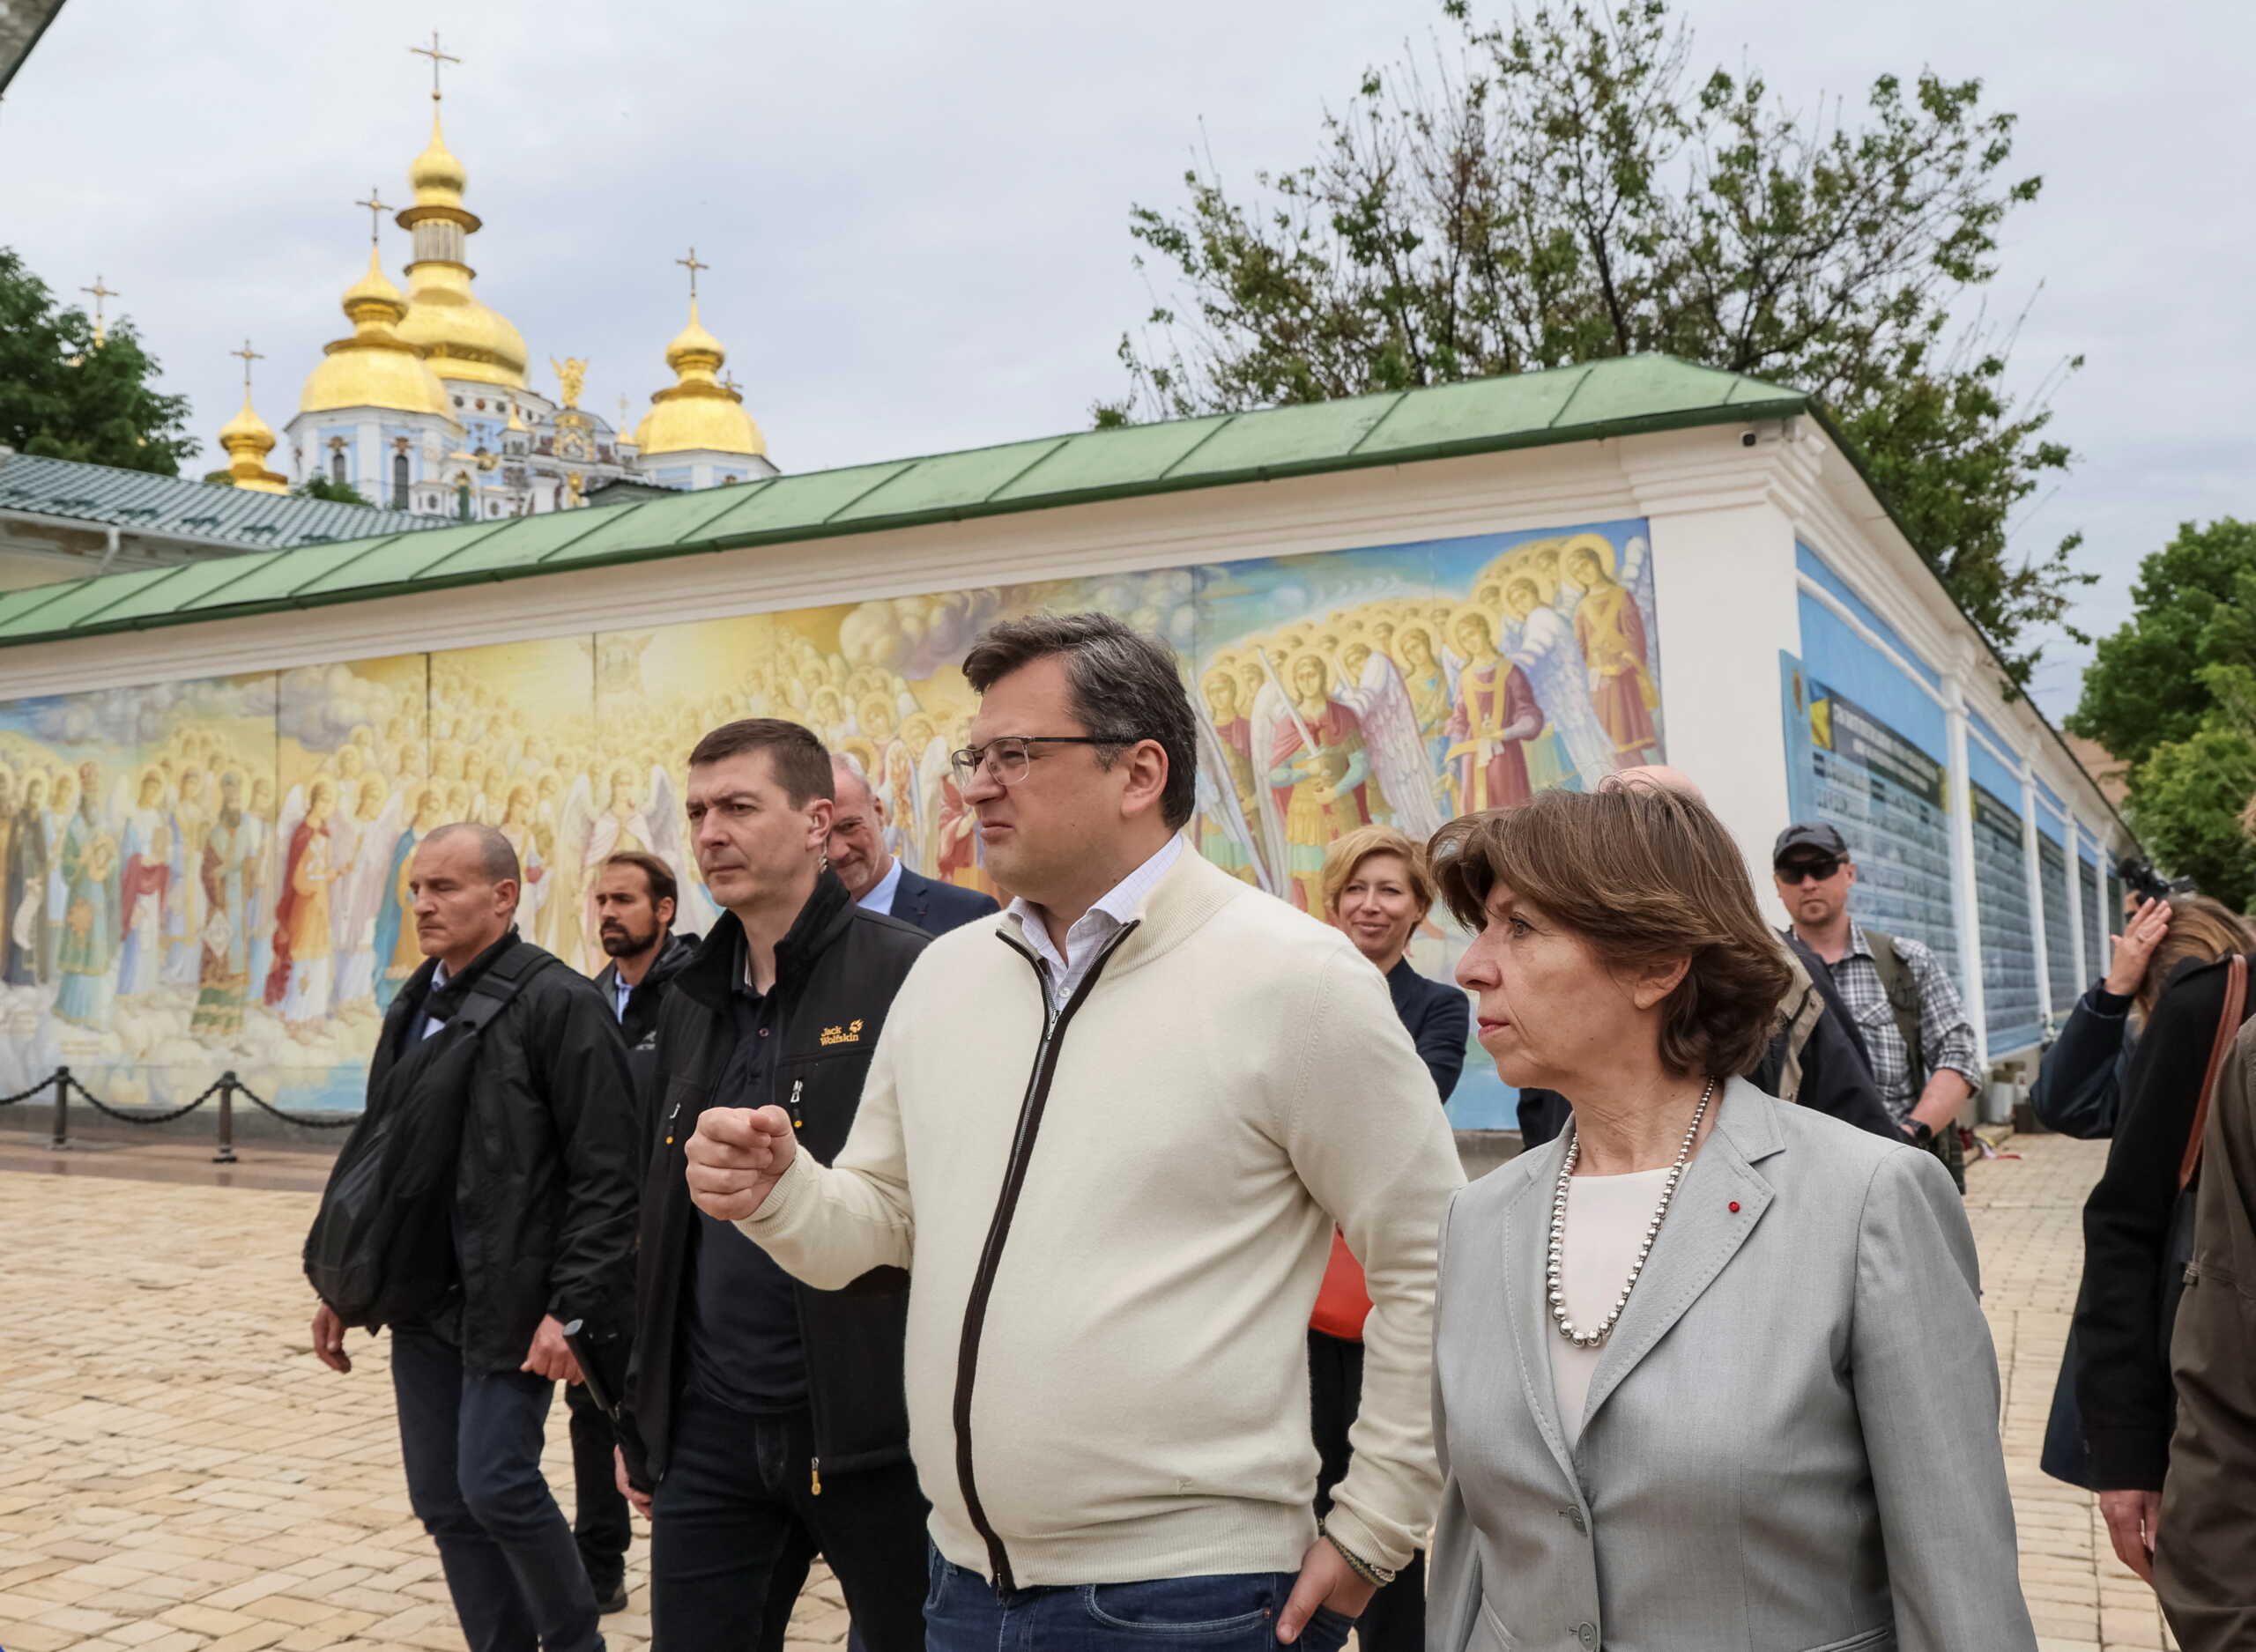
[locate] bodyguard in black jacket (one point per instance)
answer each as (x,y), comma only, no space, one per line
(634,900)
(541,1233)
(775,1416)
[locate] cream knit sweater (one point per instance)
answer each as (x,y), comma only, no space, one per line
(1131,1401)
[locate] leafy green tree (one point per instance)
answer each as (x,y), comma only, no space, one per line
(2187,800)
(318,487)
(1568,187)
(64,397)
(2173,692)
(2193,608)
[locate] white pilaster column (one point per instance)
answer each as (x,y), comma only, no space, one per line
(1963,896)
(2033,863)
(1724,586)
(2073,828)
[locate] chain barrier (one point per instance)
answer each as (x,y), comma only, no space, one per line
(127,1117)
(62,1082)
(343,1122)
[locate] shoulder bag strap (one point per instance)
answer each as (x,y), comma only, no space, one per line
(2236,1000)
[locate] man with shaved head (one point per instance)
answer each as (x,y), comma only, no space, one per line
(875,877)
(1814,1056)
(520,1060)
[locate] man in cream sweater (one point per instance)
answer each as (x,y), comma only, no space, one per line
(1109,1134)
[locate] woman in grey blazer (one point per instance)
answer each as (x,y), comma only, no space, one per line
(1711,1373)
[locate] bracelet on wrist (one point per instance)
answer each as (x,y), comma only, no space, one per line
(1377,1576)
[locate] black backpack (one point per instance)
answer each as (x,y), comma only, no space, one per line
(380,1250)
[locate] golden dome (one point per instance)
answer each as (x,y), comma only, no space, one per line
(438,178)
(248,441)
(462,338)
(698,413)
(375,367)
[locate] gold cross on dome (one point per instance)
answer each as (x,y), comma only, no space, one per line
(691,264)
(248,356)
(437,57)
(99,293)
(376,210)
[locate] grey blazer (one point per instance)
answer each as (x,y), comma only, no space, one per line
(1791,1443)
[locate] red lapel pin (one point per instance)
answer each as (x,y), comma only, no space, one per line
(1735,1207)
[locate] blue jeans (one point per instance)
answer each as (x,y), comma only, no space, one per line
(1235,1612)
(473,1441)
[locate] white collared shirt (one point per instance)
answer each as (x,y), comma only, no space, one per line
(622,989)
(439,978)
(878,898)
(1086,939)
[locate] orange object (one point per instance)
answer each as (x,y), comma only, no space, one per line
(1342,1304)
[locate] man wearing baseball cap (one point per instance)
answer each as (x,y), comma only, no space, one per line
(1900,1001)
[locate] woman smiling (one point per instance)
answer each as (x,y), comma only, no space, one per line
(1732,1388)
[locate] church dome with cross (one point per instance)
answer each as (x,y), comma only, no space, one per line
(428,406)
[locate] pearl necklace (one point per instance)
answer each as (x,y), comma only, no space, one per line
(1553,1281)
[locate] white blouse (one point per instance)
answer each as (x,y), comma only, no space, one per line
(1606,1220)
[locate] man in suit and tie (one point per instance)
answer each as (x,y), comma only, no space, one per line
(872,875)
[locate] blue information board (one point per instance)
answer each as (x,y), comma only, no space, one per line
(1887,797)
(2059,938)
(2011,1014)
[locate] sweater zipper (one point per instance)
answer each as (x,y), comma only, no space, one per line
(815,1464)
(998,1231)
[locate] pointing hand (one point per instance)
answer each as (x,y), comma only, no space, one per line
(735,1157)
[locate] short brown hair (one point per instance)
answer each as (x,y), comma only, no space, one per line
(1348,852)
(2202,929)
(801,763)
(659,875)
(1643,875)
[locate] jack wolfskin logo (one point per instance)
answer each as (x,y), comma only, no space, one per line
(850,1033)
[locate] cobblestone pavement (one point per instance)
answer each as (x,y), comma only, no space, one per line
(180,1474)
(2027,1216)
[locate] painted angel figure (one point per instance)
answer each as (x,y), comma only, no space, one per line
(1228,814)
(518,825)
(1495,713)
(1374,689)
(1573,744)
(398,954)
(144,846)
(298,984)
(1316,769)
(631,819)
(1611,629)
(357,898)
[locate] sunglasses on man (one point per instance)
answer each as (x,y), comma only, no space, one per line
(1818,867)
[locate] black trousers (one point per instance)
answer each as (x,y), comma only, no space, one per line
(470,1441)
(600,1524)
(1395,1621)
(735,1523)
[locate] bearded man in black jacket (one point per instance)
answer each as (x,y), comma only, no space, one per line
(633,900)
(542,1224)
(774,1416)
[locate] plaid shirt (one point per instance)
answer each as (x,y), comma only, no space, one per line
(1945,1033)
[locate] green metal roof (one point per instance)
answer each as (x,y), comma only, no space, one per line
(171,507)
(1622,397)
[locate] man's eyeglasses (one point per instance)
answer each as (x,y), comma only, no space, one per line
(1007,758)
(1794,872)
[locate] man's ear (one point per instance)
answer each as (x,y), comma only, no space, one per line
(1146,765)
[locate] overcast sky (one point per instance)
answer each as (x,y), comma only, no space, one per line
(916,213)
